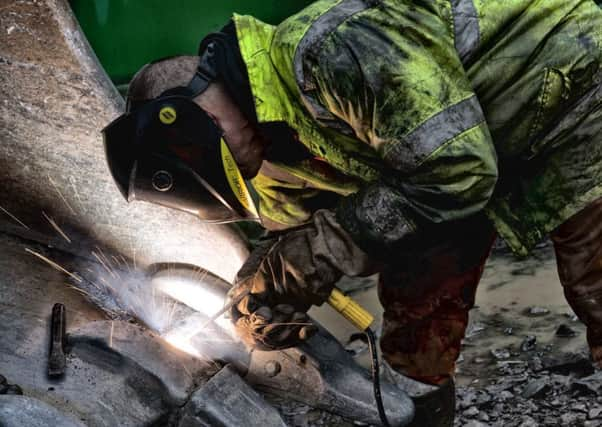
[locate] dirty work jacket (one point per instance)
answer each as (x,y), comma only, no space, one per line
(413,109)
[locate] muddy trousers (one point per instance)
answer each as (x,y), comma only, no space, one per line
(427,301)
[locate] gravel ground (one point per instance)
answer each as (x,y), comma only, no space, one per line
(564,390)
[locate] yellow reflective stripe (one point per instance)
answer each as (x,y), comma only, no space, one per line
(234,177)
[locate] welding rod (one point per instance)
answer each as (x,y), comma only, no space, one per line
(224,309)
(344,305)
(57,359)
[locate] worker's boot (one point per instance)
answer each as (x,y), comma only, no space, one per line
(435,405)
(436,408)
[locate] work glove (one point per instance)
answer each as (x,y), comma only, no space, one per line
(286,275)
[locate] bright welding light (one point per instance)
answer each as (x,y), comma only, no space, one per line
(182,342)
(196,294)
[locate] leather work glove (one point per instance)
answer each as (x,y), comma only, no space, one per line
(288,274)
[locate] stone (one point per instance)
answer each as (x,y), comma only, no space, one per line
(474,329)
(568,419)
(594,412)
(536,389)
(471,412)
(483,416)
(590,385)
(528,343)
(535,364)
(528,421)
(500,353)
(538,311)
(567,364)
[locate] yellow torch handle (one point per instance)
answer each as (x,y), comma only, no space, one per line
(350,310)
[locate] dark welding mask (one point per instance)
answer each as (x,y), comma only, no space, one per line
(168,151)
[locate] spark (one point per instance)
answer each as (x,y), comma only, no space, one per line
(56,227)
(111,335)
(100,252)
(13,217)
(72,182)
(125,262)
(117,261)
(61,194)
(80,290)
(102,279)
(55,265)
(104,265)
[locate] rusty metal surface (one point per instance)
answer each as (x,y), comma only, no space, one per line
(323,375)
(116,373)
(54,100)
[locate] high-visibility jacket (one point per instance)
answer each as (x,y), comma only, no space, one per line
(427,111)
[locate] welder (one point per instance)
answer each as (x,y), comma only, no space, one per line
(398,137)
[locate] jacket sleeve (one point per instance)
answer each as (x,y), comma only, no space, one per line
(403,90)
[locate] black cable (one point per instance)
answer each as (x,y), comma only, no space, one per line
(376,378)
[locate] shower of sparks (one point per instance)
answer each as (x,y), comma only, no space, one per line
(56,187)
(125,263)
(109,286)
(56,227)
(55,265)
(102,254)
(109,270)
(117,261)
(13,217)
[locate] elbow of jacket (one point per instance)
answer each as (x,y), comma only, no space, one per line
(488,182)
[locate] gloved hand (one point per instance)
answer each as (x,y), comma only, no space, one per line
(288,274)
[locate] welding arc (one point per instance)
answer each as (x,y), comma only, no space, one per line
(224,309)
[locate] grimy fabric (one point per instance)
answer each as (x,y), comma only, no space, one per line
(424,112)
(289,273)
(578,245)
(427,304)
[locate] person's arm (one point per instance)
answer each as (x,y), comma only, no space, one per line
(405,93)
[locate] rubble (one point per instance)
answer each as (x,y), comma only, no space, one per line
(537,389)
(500,353)
(522,397)
(528,343)
(566,364)
(526,370)
(538,311)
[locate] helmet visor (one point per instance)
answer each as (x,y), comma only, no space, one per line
(172,183)
(170,152)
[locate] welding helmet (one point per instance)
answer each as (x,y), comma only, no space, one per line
(168,151)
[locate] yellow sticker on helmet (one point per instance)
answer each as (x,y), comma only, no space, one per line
(237,183)
(167,115)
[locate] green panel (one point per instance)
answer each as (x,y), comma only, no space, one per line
(126,34)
